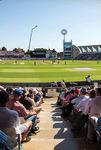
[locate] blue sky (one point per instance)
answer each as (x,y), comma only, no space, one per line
(81,18)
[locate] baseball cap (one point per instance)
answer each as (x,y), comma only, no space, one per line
(18,92)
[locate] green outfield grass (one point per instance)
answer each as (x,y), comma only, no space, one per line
(46,71)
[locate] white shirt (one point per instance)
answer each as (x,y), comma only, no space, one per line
(77,100)
(87,107)
(88,79)
(95,107)
(82,104)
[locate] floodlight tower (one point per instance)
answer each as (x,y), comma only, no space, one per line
(64,32)
(31,37)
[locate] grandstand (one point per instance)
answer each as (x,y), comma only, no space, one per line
(91,52)
(11,54)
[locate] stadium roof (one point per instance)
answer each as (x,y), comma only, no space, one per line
(90,48)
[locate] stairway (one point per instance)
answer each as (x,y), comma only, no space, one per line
(55,133)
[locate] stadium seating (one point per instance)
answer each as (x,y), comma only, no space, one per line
(89,56)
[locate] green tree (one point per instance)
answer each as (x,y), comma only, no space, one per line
(18,50)
(4,48)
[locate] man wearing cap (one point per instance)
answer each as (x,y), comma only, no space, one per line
(22,111)
(9,119)
(16,105)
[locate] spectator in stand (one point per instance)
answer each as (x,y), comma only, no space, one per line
(68,98)
(63,85)
(36,95)
(9,90)
(92,95)
(82,117)
(82,97)
(44,92)
(22,111)
(67,106)
(88,80)
(10,118)
(62,96)
(29,103)
(40,93)
(53,84)
(94,113)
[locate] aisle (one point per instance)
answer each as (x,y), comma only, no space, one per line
(54,131)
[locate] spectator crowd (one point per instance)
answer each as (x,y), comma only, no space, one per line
(19,109)
(82,107)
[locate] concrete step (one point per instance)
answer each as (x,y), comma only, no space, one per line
(55,132)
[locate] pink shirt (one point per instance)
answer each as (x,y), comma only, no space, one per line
(17,106)
(68,98)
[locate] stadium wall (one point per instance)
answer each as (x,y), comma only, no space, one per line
(47,84)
